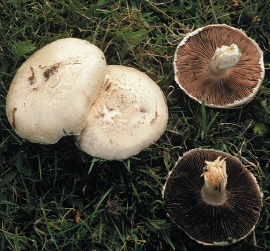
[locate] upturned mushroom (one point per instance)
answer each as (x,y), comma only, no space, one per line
(212,197)
(129,115)
(219,65)
(53,90)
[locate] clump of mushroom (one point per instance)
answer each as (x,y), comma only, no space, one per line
(66,88)
(212,197)
(219,65)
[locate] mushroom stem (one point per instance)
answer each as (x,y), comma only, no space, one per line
(224,58)
(215,181)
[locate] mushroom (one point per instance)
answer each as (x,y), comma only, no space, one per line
(219,65)
(129,115)
(212,197)
(53,90)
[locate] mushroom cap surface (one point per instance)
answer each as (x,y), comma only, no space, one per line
(237,86)
(53,90)
(217,225)
(129,114)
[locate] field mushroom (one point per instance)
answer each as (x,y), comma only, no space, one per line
(53,90)
(129,114)
(212,197)
(219,65)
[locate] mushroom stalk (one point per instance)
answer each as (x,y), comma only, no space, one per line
(215,181)
(224,58)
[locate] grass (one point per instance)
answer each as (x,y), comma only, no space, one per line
(56,197)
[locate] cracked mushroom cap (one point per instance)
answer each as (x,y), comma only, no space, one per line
(129,114)
(220,65)
(212,197)
(53,90)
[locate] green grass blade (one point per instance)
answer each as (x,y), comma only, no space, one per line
(203,123)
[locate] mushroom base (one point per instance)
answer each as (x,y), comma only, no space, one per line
(213,197)
(217,74)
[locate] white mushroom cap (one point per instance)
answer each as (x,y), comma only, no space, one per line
(129,114)
(53,90)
